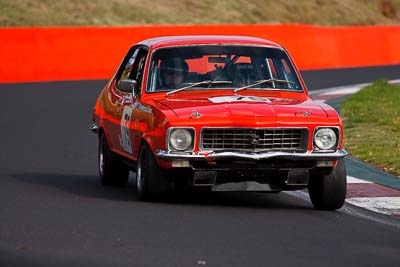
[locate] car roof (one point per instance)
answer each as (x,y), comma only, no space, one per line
(166,41)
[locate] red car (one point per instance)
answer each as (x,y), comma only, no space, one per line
(223,113)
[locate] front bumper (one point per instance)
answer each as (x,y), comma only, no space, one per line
(94,128)
(211,156)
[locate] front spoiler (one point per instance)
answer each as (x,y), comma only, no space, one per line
(210,156)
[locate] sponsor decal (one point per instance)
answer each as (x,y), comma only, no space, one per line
(141,107)
(237,98)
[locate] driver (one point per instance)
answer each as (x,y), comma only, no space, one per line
(173,72)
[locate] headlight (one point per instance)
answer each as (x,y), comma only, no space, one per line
(181,139)
(325,138)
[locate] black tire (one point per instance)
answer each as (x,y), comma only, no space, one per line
(151,180)
(328,192)
(111,170)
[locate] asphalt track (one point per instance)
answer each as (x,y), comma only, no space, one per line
(54,212)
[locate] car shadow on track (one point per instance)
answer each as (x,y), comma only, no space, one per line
(90,186)
(82,185)
(238,199)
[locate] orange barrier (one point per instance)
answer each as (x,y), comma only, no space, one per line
(53,53)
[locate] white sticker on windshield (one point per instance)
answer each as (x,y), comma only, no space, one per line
(237,98)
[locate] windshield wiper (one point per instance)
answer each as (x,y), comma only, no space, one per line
(206,82)
(261,82)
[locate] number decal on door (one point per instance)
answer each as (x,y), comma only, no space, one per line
(124,139)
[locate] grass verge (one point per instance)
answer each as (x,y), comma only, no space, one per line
(371,120)
(133,12)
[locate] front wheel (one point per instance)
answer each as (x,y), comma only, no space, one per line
(328,192)
(151,180)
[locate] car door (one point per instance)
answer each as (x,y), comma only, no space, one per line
(136,116)
(122,97)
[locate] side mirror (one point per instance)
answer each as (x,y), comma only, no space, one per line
(129,86)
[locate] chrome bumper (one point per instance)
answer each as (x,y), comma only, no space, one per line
(210,156)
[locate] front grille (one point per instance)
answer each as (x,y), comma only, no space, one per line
(254,140)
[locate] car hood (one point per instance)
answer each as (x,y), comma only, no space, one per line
(243,106)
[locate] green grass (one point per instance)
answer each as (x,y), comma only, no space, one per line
(134,12)
(371,121)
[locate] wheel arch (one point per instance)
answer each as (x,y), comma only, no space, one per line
(147,140)
(102,132)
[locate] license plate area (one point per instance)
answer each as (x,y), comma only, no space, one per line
(204,178)
(297,177)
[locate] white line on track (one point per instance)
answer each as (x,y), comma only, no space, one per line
(385,205)
(354,180)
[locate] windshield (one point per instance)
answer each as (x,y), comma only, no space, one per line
(221,67)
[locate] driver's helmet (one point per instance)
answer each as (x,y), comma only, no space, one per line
(173,67)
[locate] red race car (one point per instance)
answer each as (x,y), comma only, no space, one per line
(223,113)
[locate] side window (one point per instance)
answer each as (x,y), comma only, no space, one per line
(138,67)
(127,69)
(132,69)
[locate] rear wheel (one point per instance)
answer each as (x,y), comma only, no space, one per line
(151,180)
(111,170)
(328,192)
